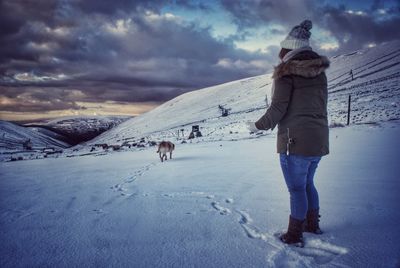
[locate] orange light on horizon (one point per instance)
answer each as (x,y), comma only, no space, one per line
(91,109)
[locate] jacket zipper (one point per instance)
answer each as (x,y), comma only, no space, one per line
(289,142)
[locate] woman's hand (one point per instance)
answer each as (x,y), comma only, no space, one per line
(252,127)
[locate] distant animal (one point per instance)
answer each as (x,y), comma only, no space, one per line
(165,147)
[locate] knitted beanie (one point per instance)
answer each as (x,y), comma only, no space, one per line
(298,36)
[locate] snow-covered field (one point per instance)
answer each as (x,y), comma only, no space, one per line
(216,204)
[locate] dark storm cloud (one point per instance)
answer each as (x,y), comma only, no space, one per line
(55,53)
(30,106)
(378,23)
(109,50)
(252,13)
(38,100)
(353,30)
(197,5)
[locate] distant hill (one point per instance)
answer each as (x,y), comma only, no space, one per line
(76,129)
(13,136)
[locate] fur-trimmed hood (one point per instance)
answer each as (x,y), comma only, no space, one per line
(306,67)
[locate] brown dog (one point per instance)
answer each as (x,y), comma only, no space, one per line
(163,148)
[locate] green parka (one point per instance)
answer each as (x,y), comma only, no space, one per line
(299,106)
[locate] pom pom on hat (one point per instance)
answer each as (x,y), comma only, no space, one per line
(298,37)
(307,24)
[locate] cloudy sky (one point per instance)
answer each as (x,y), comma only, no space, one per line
(66,57)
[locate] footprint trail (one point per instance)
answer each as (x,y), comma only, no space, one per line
(315,252)
(132,178)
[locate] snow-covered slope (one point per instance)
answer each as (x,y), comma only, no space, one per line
(244,97)
(374,89)
(12,137)
(80,128)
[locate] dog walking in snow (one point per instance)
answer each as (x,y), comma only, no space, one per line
(163,148)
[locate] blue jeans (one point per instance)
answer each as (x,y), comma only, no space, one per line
(299,177)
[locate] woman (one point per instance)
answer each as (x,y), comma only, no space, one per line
(299,108)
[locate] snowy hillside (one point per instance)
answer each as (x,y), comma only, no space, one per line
(45,138)
(375,91)
(246,98)
(13,136)
(80,128)
(375,87)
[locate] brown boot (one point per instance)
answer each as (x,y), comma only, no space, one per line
(312,222)
(294,234)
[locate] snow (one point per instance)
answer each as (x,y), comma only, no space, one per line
(215,204)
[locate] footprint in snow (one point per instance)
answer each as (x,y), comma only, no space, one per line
(131,179)
(118,187)
(71,203)
(98,211)
(251,231)
(229,200)
(321,251)
(222,210)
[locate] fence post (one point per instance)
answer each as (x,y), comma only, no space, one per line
(348,110)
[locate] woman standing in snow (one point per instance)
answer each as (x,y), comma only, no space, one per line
(299,108)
